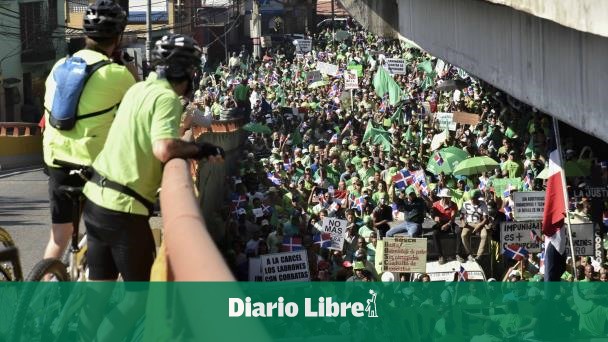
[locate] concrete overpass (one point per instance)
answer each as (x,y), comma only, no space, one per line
(550,55)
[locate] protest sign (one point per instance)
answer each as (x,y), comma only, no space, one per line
(439,66)
(438,140)
(303,45)
(257,212)
(466,118)
(583,238)
(403,254)
(351,81)
(313,76)
(446,121)
(529,205)
(591,192)
(337,229)
(290,266)
(395,66)
(327,69)
(523,234)
(357,68)
(342,35)
(255,269)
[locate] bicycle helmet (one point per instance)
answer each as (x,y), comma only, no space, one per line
(176,56)
(104,19)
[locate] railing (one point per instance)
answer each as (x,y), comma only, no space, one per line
(191,252)
(219,126)
(18,129)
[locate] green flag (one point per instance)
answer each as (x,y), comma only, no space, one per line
(368,130)
(425,66)
(408,134)
(358,68)
(397,116)
(429,80)
(384,83)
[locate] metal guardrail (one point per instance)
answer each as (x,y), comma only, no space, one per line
(18,129)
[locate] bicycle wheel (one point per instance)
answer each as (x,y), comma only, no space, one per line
(5,238)
(50,267)
(6,268)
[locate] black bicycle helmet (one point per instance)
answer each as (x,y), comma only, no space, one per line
(104,19)
(177,55)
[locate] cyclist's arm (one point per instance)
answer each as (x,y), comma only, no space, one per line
(167,149)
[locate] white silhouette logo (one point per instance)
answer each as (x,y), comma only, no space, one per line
(371,305)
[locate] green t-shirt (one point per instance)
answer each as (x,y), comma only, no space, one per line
(104,89)
(513,168)
(240,92)
(150,111)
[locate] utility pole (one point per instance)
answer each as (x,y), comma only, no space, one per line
(256,28)
(333,18)
(148,30)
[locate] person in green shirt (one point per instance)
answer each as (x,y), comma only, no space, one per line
(103,26)
(128,171)
(511,168)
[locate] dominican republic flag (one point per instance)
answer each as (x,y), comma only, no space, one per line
(515,252)
(507,192)
(359,203)
(535,237)
(482,183)
(438,159)
(238,201)
(399,180)
(287,165)
(463,275)
(528,182)
(291,244)
(266,209)
(322,239)
(334,206)
(553,220)
(334,139)
(274,179)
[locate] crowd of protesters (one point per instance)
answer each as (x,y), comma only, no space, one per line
(321,151)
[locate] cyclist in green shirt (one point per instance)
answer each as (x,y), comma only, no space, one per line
(103,25)
(128,171)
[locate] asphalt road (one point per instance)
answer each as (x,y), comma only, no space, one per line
(24,212)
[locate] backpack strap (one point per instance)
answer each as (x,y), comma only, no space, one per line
(90,71)
(103,182)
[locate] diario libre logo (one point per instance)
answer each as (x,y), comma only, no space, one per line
(321,307)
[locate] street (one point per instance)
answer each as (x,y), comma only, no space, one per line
(24,213)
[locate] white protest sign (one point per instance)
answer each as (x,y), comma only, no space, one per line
(395,66)
(521,234)
(351,80)
(313,76)
(290,266)
(327,69)
(403,254)
(258,212)
(439,66)
(337,229)
(255,269)
(583,238)
(303,45)
(529,205)
(446,120)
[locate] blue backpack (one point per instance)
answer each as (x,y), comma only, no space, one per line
(70,79)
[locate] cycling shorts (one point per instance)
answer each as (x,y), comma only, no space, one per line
(118,243)
(62,208)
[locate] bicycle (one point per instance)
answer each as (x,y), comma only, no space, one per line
(10,267)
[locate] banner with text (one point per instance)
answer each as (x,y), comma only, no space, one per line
(255,269)
(327,69)
(303,45)
(351,81)
(403,254)
(529,205)
(396,66)
(583,238)
(337,229)
(313,76)
(290,266)
(446,121)
(523,234)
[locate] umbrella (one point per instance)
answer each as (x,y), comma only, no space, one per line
(317,84)
(446,160)
(475,166)
(257,128)
(577,168)
(449,85)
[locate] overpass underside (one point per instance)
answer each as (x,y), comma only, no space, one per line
(558,69)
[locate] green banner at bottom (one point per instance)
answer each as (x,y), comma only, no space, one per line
(464,311)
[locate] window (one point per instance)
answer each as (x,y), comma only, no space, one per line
(32,28)
(77,6)
(52,5)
